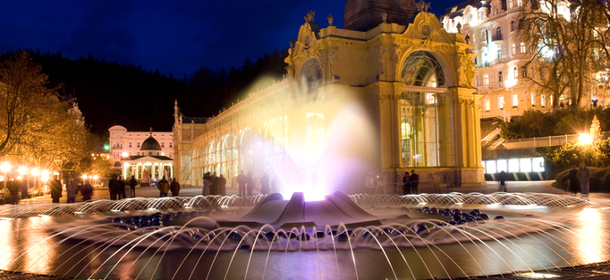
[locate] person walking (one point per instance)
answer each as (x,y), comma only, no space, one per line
(113,187)
(13,189)
(265,183)
(406,184)
(250,184)
(369,183)
(163,187)
(71,191)
(121,190)
(222,185)
(56,189)
(574,184)
(502,180)
(86,190)
(414,182)
(132,186)
(241,180)
(583,177)
(175,187)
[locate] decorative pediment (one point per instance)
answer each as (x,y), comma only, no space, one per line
(427,27)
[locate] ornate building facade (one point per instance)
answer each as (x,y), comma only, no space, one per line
(385,98)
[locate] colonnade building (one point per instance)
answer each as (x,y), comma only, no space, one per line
(381,97)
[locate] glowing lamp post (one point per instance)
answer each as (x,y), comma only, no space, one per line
(585,139)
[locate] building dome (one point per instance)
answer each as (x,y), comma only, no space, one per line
(364,15)
(150,144)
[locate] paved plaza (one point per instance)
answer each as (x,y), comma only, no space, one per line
(487,188)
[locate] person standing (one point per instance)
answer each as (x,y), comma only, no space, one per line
(222,185)
(87,191)
(71,191)
(214,184)
(206,184)
(369,183)
(13,188)
(406,183)
(175,187)
(56,189)
(414,182)
(132,186)
(502,180)
(113,187)
(24,189)
(583,177)
(574,184)
(250,184)
(163,187)
(242,180)
(121,190)
(265,183)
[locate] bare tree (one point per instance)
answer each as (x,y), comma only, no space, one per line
(567,42)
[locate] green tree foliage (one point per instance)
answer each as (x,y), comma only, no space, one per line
(571,120)
(572,154)
(568,46)
(37,127)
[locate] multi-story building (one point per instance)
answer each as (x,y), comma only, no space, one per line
(136,151)
(491,29)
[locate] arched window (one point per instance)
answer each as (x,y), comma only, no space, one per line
(310,77)
(422,69)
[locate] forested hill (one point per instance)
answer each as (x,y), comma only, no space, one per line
(109,93)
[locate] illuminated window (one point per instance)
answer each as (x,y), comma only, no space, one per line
(501,165)
(515,100)
(524,72)
(542,101)
(481,14)
(170,154)
(519,2)
(501,102)
(522,47)
(487,104)
(515,72)
(484,35)
(533,97)
(476,81)
(514,48)
(512,22)
(513,165)
(485,79)
(500,77)
(525,164)
(510,6)
(499,53)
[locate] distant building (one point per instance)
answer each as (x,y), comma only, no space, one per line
(139,153)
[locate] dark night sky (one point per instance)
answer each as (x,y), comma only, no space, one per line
(176,37)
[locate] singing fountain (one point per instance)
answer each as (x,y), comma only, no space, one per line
(341,237)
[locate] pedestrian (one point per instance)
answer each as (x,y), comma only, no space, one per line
(379,184)
(163,187)
(13,189)
(369,183)
(214,184)
(71,191)
(24,189)
(175,187)
(574,184)
(132,186)
(583,177)
(406,184)
(414,182)
(276,184)
(502,179)
(206,184)
(222,185)
(86,190)
(265,183)
(56,189)
(113,187)
(250,184)
(241,180)
(121,191)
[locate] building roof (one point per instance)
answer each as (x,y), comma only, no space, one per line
(150,144)
(458,10)
(154,157)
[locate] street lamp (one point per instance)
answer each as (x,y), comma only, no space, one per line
(585,139)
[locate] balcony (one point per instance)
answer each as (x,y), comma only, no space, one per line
(497,37)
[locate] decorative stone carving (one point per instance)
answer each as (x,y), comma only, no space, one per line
(384,17)
(309,16)
(396,52)
(466,70)
(423,6)
(330,19)
(332,58)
